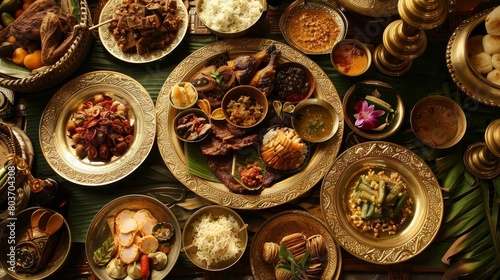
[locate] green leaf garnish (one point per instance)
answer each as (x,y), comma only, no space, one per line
(103,255)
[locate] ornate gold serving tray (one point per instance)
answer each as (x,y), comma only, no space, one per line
(172,152)
(415,234)
(457,60)
(371,8)
(56,145)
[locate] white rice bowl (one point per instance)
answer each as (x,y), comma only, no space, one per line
(230,16)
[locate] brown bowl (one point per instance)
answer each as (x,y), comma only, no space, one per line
(314,112)
(214,211)
(238,92)
(351,57)
(236,33)
(438,121)
(199,114)
(296,75)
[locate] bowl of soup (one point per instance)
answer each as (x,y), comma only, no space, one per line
(351,57)
(315,120)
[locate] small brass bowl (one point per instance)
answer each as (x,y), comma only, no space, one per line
(183,103)
(225,34)
(22,224)
(255,96)
(351,57)
(214,211)
(314,112)
(199,114)
(287,75)
(438,121)
(353,94)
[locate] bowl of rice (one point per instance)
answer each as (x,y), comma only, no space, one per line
(229,18)
(214,237)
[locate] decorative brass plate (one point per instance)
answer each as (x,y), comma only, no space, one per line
(99,231)
(285,223)
(417,232)
(372,8)
(56,145)
(172,152)
(457,60)
(110,44)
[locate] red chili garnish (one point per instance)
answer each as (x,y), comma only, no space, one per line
(128,138)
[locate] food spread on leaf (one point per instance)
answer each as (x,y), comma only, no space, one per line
(380,203)
(296,256)
(101,127)
(138,243)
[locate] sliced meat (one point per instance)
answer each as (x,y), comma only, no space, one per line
(221,167)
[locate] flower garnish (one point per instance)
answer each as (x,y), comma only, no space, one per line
(366,116)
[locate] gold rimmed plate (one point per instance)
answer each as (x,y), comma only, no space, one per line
(417,231)
(457,60)
(57,146)
(375,9)
(173,153)
(112,47)
(286,223)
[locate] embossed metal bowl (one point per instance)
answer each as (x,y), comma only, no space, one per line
(99,230)
(314,7)
(438,121)
(57,146)
(415,233)
(289,222)
(457,59)
(21,225)
(187,236)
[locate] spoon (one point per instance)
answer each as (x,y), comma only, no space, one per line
(54,224)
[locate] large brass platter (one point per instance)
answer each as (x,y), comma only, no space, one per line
(466,78)
(372,8)
(285,223)
(286,190)
(56,145)
(414,236)
(110,44)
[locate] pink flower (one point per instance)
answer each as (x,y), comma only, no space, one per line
(366,118)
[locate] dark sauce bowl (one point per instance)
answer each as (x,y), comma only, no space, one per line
(294,82)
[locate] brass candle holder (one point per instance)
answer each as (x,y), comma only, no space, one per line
(404,39)
(482,159)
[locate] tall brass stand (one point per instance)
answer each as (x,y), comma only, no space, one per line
(482,159)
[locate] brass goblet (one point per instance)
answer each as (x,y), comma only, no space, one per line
(482,159)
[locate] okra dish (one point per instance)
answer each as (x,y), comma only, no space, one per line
(380,203)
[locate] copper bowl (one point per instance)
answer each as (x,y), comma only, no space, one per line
(244,90)
(351,57)
(296,69)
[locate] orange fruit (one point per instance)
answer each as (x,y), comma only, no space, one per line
(33,60)
(19,55)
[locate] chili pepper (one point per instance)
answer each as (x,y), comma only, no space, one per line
(144,266)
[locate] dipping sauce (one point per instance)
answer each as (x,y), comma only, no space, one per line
(435,124)
(350,59)
(314,124)
(313,30)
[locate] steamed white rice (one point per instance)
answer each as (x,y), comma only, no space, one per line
(230,15)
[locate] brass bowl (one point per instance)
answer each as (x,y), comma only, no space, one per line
(314,6)
(224,34)
(342,57)
(198,113)
(99,231)
(301,123)
(458,63)
(438,121)
(193,99)
(417,231)
(294,97)
(352,96)
(187,236)
(22,224)
(244,90)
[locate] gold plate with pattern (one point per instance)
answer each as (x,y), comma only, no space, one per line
(457,60)
(372,8)
(283,224)
(172,152)
(415,234)
(56,145)
(112,47)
